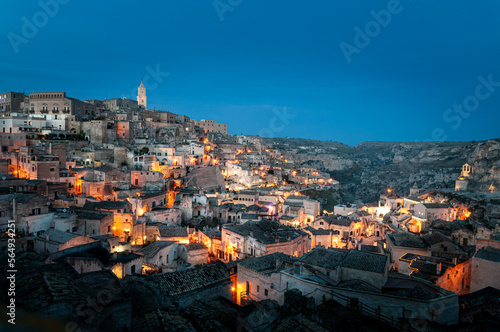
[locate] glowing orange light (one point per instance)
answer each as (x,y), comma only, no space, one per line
(232,288)
(389,190)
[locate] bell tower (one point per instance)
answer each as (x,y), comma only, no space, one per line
(142,100)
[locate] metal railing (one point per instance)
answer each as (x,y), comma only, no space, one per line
(367,310)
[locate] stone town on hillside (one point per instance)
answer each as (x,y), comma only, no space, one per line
(171,223)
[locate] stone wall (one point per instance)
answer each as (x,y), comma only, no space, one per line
(481,274)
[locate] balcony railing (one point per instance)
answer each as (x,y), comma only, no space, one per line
(245,298)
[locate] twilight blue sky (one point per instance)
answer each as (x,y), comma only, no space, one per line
(267,55)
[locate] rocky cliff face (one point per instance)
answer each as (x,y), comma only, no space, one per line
(370,167)
(485,162)
(399,165)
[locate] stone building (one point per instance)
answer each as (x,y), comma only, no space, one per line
(399,244)
(485,264)
(56,108)
(180,289)
(159,254)
(258,278)
(142,99)
(193,253)
(10,102)
(125,131)
(143,203)
(254,239)
(435,211)
(38,163)
(54,240)
(29,210)
(116,104)
(61,294)
(462,182)
(92,223)
(211,126)
(140,178)
(96,131)
(361,279)
(211,238)
(344,230)
(320,237)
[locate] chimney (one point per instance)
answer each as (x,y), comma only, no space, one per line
(455,261)
(278,263)
(277,239)
(438,269)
